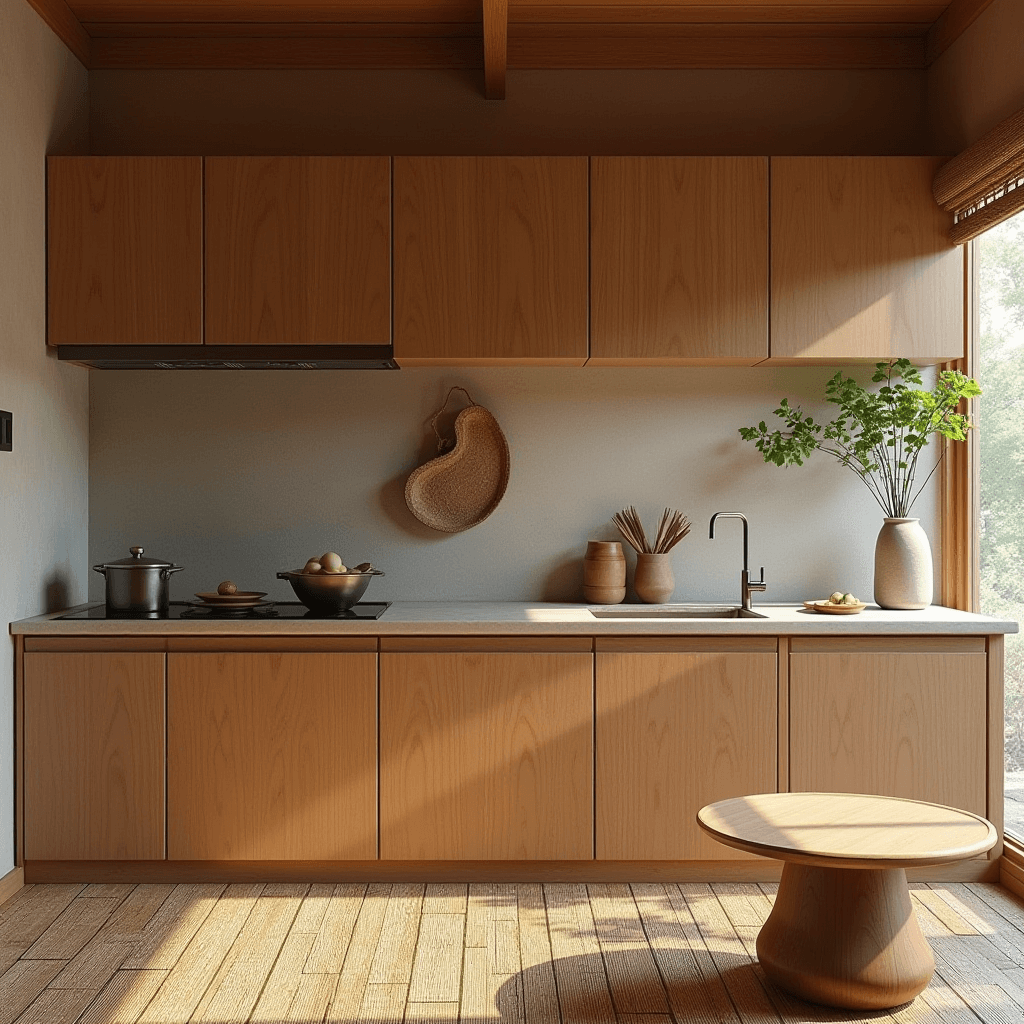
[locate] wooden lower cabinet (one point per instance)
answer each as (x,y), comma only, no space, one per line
(486,756)
(678,729)
(94,756)
(272,756)
(892,719)
(484,749)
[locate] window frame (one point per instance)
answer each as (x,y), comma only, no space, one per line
(960,475)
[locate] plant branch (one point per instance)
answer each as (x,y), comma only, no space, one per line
(879,435)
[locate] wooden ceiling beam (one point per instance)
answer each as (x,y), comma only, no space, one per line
(956,19)
(242,12)
(525,51)
(313,52)
(667,49)
(67,27)
(495,48)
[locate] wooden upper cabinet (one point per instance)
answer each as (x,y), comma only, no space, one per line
(679,260)
(272,756)
(490,260)
(486,756)
(94,756)
(298,250)
(862,267)
(125,250)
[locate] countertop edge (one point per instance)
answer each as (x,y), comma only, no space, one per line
(472,618)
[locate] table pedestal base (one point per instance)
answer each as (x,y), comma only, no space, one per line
(845,937)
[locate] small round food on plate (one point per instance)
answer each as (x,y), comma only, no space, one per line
(828,606)
(227,587)
(331,562)
(311,568)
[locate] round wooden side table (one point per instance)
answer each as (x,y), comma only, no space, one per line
(842,931)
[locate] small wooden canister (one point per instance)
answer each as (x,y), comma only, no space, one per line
(604,573)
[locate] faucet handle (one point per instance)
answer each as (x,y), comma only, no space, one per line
(759,585)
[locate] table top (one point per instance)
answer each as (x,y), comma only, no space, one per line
(847,830)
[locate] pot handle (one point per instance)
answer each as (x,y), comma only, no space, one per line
(165,574)
(283,575)
(101,569)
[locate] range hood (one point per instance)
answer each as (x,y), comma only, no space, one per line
(230,357)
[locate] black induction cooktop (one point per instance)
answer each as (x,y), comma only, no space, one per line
(267,610)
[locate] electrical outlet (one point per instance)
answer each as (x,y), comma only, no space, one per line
(6,427)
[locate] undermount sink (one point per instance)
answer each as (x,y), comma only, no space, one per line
(702,611)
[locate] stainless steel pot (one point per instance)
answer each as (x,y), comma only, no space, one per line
(137,587)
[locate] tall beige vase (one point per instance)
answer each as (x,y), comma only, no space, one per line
(903,566)
(653,581)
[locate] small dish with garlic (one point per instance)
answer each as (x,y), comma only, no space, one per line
(838,603)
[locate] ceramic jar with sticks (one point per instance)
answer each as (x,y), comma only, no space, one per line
(653,580)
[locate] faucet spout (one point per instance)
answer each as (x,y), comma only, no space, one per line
(747,585)
(731,515)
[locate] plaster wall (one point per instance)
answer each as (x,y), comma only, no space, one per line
(238,475)
(44,480)
(552,112)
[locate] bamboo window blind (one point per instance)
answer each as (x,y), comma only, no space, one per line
(984,184)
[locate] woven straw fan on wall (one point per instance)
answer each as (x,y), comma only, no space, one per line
(461,488)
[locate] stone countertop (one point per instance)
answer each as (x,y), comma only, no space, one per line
(485,618)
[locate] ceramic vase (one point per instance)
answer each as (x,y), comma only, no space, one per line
(653,581)
(903,566)
(604,573)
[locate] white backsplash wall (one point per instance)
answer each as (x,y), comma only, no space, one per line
(239,474)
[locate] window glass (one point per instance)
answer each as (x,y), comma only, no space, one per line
(1000,255)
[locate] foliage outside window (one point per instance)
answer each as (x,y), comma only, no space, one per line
(1000,259)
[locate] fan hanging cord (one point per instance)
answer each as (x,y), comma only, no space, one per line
(444,442)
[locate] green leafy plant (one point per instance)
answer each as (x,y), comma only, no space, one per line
(877,434)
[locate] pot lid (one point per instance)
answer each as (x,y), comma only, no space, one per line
(137,561)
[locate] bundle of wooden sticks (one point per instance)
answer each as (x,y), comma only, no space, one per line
(672,528)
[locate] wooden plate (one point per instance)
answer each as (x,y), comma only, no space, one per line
(835,609)
(241,597)
(238,608)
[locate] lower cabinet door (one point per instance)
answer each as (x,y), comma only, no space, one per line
(486,756)
(94,756)
(897,723)
(272,756)
(676,731)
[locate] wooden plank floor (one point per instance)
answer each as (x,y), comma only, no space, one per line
(390,953)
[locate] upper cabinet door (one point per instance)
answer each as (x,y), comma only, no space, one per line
(862,267)
(298,251)
(125,250)
(490,260)
(679,260)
